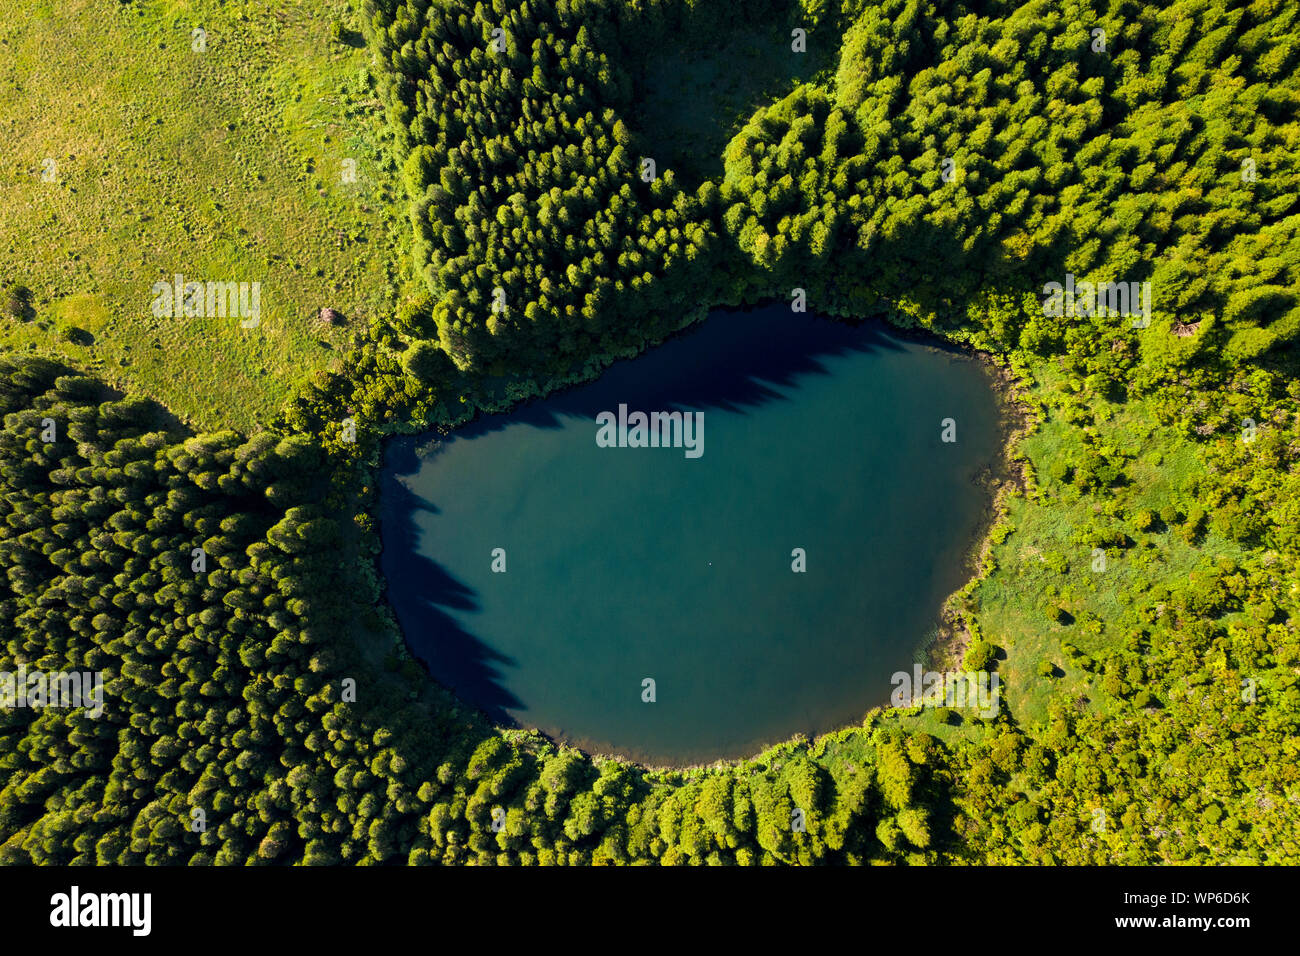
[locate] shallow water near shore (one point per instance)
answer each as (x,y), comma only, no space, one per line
(628,564)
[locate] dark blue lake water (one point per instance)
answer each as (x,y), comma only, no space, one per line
(623,564)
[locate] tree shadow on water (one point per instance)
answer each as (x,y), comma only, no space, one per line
(424,596)
(735,361)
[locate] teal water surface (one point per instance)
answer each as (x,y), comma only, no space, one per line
(623,564)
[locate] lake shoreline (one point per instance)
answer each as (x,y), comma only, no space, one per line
(1005,475)
(1010,477)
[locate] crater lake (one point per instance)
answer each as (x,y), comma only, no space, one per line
(556,570)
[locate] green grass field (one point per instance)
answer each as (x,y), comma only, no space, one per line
(132,156)
(1044,562)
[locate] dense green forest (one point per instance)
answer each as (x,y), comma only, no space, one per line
(936,163)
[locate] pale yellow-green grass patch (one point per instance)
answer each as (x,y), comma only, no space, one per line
(132,156)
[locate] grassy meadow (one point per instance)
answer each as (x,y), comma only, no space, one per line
(1045,560)
(138,149)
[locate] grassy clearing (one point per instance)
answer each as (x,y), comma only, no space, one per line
(131,156)
(1047,561)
